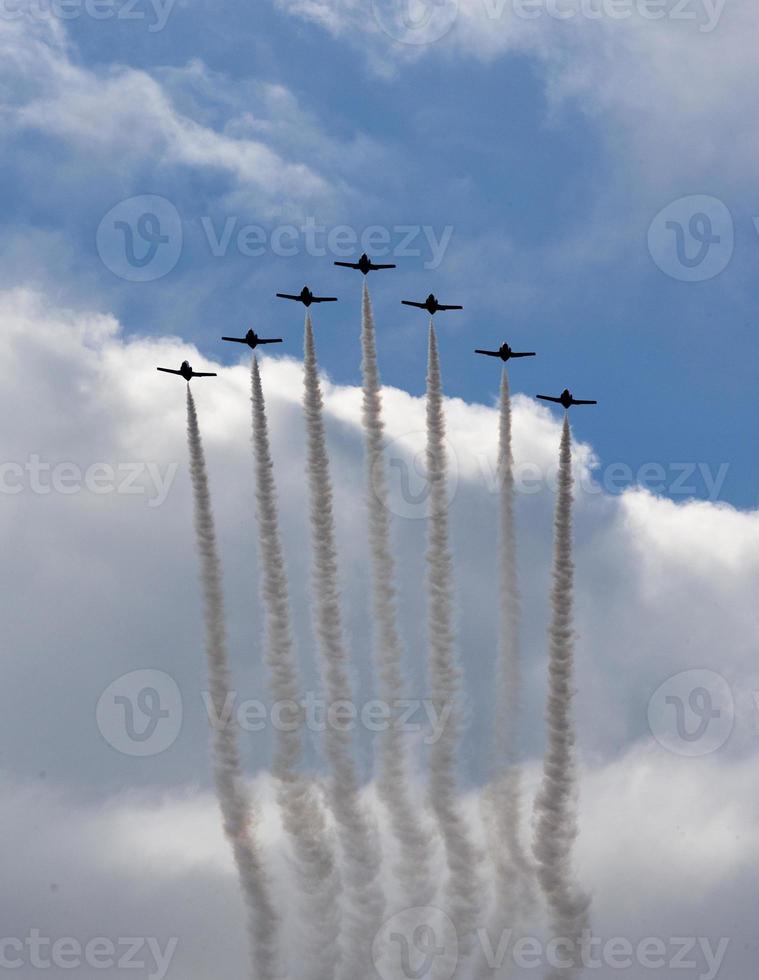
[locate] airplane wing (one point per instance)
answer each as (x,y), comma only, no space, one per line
(203,374)
(273,340)
(549,398)
(490,353)
(288,296)
(324,299)
(237,340)
(409,302)
(169,370)
(379,266)
(348,265)
(530,353)
(441,307)
(580,401)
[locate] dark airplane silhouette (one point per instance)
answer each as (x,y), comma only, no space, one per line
(252,339)
(430,304)
(505,352)
(566,399)
(306,297)
(187,372)
(364,265)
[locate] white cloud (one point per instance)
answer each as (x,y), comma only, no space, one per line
(335,17)
(667,850)
(130,114)
(100,584)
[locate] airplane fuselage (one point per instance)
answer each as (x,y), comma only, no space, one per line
(566,399)
(364,265)
(185,371)
(431,305)
(306,297)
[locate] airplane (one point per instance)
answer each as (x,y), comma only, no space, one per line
(252,339)
(187,372)
(430,304)
(505,352)
(306,297)
(364,265)
(566,399)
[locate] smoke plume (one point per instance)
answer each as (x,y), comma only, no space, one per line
(502,800)
(413,868)
(555,804)
(364,901)
(238,813)
(300,806)
(445,680)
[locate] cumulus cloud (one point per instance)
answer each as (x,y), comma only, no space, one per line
(155,866)
(667,838)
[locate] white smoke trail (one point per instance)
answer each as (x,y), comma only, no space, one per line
(555,804)
(463,858)
(503,798)
(238,813)
(393,785)
(301,808)
(364,901)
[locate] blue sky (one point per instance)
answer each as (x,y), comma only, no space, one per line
(529,149)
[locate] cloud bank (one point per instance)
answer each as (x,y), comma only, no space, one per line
(667,836)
